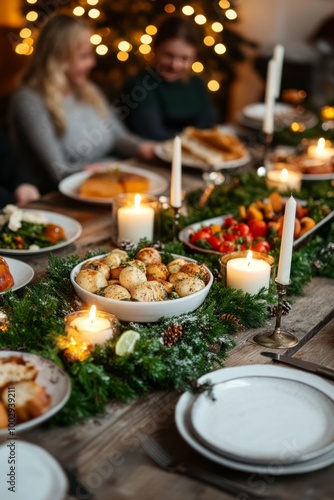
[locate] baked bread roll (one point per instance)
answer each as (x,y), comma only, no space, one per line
(109,184)
(15,369)
(230,145)
(31,400)
(6,278)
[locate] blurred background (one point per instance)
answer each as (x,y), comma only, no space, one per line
(238,39)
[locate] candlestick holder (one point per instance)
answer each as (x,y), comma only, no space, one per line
(278,339)
(176,221)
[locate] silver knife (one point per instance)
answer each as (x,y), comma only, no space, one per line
(300,363)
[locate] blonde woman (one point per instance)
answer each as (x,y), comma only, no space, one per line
(60,120)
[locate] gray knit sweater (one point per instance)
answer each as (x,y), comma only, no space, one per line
(88,137)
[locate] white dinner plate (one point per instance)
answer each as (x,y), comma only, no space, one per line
(164,151)
(71,227)
(275,467)
(50,376)
(35,474)
(71,184)
(22,273)
(256,111)
(256,419)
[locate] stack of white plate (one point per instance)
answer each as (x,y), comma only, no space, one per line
(261,418)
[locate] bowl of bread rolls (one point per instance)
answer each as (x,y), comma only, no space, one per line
(144,288)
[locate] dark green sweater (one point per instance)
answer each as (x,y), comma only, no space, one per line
(156,109)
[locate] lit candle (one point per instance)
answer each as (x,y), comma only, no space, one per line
(285,255)
(176,175)
(92,328)
(283,180)
(278,58)
(135,222)
(268,121)
(248,274)
(320,151)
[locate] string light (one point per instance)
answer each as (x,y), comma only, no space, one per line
(213,85)
(220,48)
(78,11)
(122,56)
(92,2)
(200,19)
(96,39)
(144,49)
(146,39)
(124,46)
(31,1)
(101,50)
(169,8)
(224,4)
(217,27)
(94,13)
(209,41)
(25,33)
(231,14)
(151,29)
(32,16)
(188,10)
(197,67)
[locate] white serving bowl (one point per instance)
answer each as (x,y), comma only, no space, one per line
(141,312)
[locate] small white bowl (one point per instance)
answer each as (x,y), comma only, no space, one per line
(141,312)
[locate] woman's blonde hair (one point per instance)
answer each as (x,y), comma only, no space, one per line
(55,48)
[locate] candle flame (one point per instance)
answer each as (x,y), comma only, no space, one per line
(249,257)
(92,314)
(321,144)
(284,175)
(137,200)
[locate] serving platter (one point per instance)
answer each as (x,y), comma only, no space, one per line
(50,376)
(71,227)
(70,185)
(22,274)
(276,467)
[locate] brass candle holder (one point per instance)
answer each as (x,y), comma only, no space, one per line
(278,339)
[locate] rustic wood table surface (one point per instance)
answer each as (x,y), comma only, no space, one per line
(106,453)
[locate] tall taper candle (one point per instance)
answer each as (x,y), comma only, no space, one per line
(268,122)
(285,255)
(278,58)
(176,176)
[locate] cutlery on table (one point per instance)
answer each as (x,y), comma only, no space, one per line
(170,464)
(300,363)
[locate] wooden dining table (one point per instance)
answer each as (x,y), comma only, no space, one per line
(105,452)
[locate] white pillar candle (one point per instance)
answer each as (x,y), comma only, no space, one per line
(176,175)
(278,58)
(268,121)
(320,151)
(91,328)
(248,274)
(285,255)
(283,180)
(135,222)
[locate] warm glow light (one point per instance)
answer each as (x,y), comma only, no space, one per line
(297,127)
(200,19)
(249,257)
(22,48)
(146,39)
(95,39)
(92,2)
(101,50)
(284,175)
(231,14)
(213,85)
(25,33)
(209,40)
(78,11)
(31,16)
(321,144)
(29,41)
(144,49)
(224,4)
(220,48)
(197,67)
(92,314)
(31,1)
(137,200)
(94,13)
(188,10)
(169,8)
(124,46)
(217,27)
(122,56)
(151,29)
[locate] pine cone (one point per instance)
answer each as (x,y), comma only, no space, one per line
(172,334)
(286,308)
(230,317)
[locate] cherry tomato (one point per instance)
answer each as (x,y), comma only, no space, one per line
(230,221)
(54,233)
(261,246)
(258,227)
(227,247)
(214,242)
(240,229)
(230,237)
(199,235)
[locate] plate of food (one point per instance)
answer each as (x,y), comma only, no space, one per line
(27,231)
(14,274)
(216,148)
(113,179)
(35,385)
(252,116)
(258,228)
(311,168)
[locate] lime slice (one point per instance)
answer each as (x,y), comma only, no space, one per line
(126,343)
